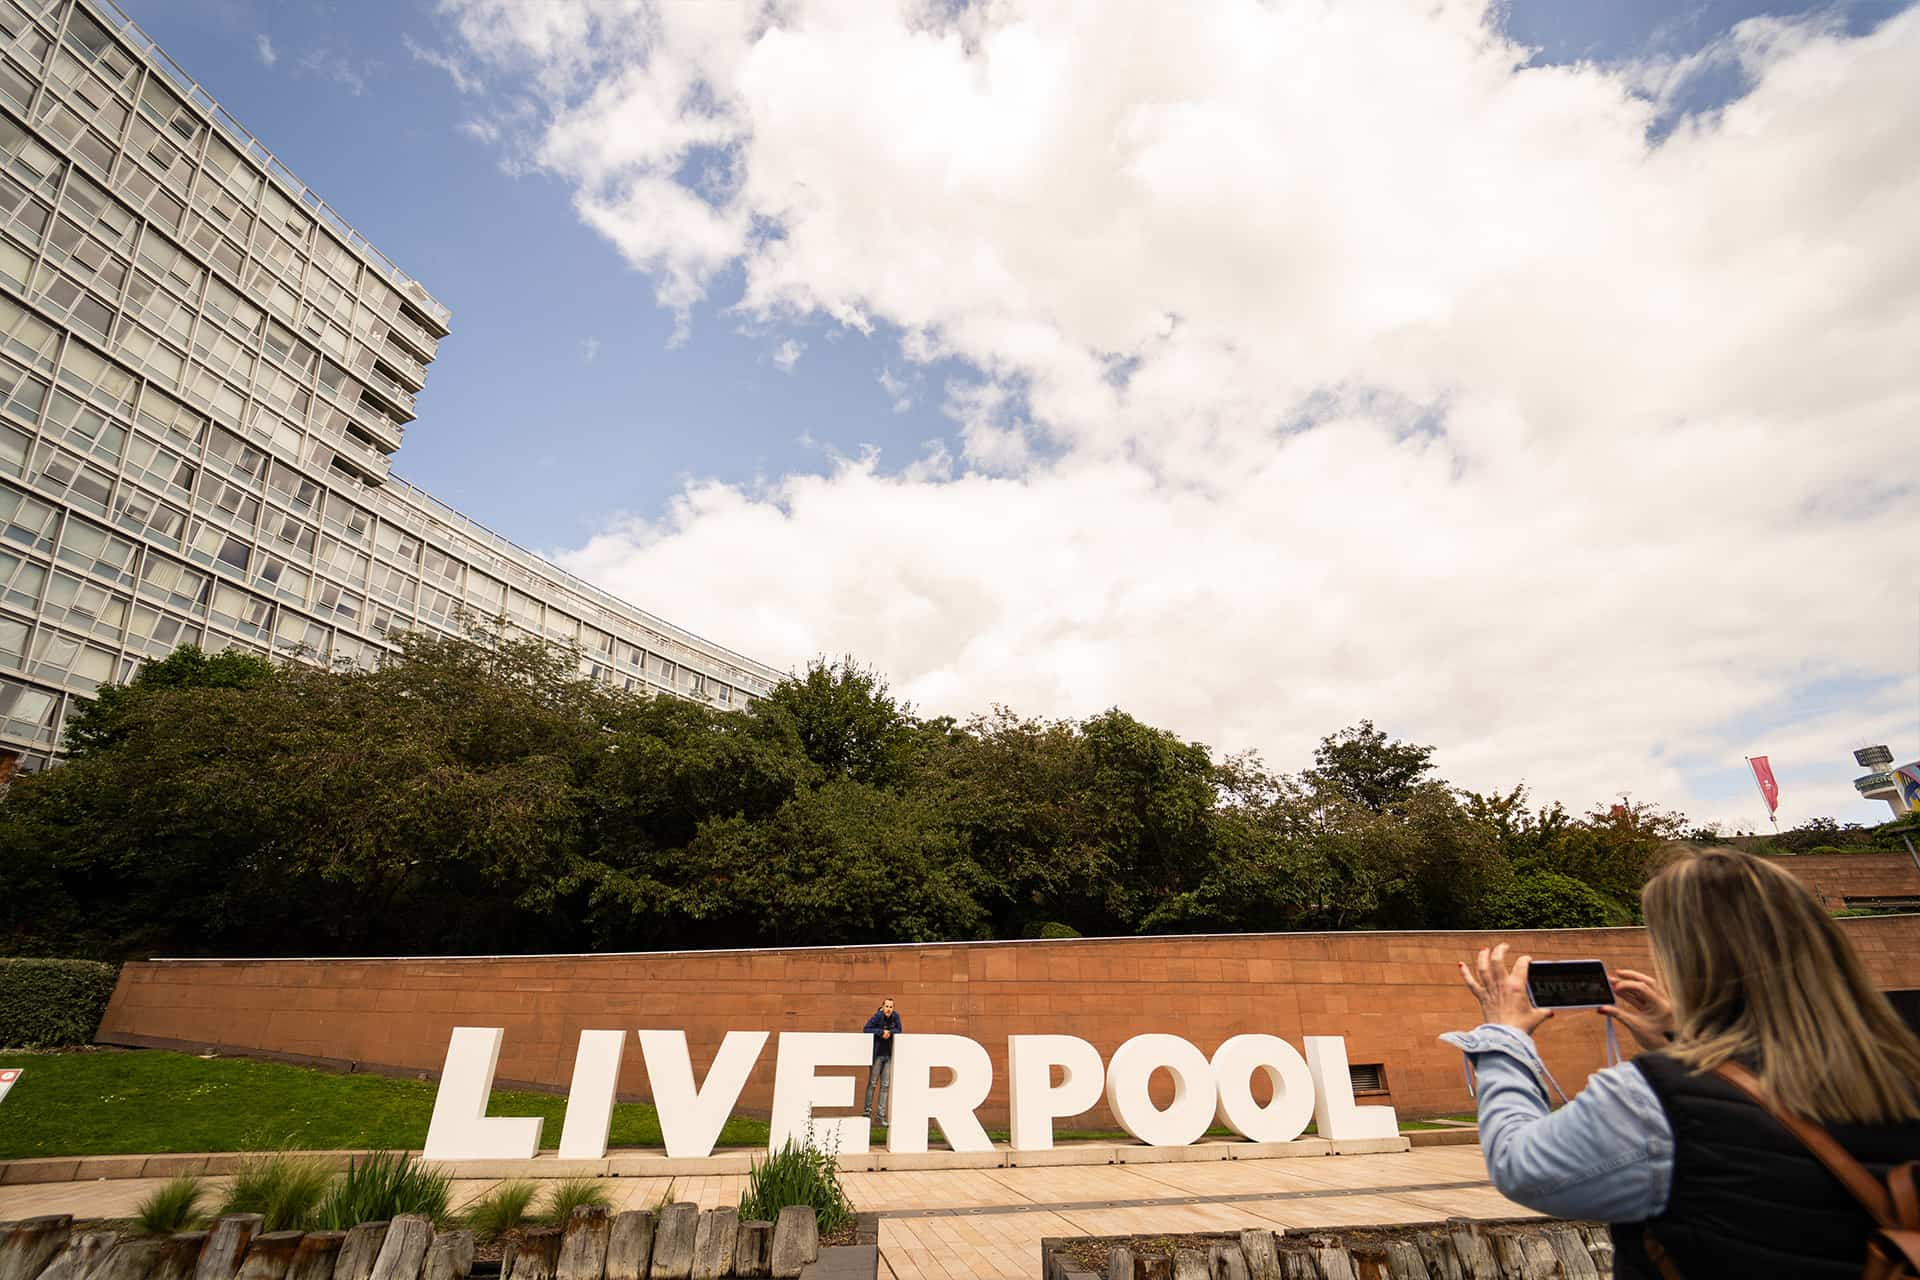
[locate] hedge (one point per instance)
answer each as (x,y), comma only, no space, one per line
(50,1004)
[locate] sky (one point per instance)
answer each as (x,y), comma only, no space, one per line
(1535,379)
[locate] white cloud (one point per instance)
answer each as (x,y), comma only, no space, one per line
(589,350)
(337,67)
(464,81)
(1330,362)
(787,355)
(899,391)
(263,47)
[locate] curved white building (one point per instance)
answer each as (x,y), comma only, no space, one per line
(204,373)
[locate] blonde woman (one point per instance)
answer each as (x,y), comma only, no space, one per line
(1698,1178)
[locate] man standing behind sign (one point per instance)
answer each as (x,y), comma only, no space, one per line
(884,1025)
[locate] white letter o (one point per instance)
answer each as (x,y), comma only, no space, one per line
(1283,1119)
(1191,1111)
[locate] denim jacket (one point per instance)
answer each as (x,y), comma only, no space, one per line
(1607,1154)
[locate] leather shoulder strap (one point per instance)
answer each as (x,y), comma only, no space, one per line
(1854,1176)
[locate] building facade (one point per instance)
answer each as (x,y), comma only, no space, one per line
(204,374)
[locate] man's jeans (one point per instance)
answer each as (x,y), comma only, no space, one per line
(881,1073)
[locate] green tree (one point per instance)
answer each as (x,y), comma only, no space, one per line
(96,725)
(846,720)
(1363,766)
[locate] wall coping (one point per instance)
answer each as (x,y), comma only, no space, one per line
(1851,922)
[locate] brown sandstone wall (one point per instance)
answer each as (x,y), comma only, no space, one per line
(1839,876)
(1390,994)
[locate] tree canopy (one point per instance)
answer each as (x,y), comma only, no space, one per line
(479,794)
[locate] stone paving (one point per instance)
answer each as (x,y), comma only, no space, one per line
(965,1223)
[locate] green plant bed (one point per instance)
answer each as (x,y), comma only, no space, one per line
(153,1102)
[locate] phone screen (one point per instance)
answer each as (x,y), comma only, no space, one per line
(1568,984)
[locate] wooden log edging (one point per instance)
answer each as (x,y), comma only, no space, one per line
(684,1242)
(1457,1249)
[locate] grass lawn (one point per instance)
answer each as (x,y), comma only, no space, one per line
(148,1101)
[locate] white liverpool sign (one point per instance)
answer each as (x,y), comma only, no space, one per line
(1313,1085)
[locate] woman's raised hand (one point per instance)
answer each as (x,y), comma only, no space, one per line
(1642,1008)
(1502,993)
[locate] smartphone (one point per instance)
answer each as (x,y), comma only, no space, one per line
(1568,984)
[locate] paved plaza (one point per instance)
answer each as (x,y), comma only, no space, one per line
(989,1222)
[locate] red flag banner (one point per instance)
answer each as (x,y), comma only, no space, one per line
(1763,777)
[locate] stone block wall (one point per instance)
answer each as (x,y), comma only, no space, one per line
(1389,994)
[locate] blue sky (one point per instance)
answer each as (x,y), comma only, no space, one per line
(561,402)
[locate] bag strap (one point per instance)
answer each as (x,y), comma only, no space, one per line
(1854,1176)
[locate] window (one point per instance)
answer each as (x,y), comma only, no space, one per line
(175,584)
(98,379)
(23,396)
(283,579)
(397,544)
(291,534)
(166,415)
(343,604)
(441,567)
(81,484)
(347,520)
(61,657)
(153,463)
(27,712)
(394,586)
(344,562)
(85,606)
(241,610)
(21,580)
(158,632)
(143,347)
(159,104)
(138,511)
(98,213)
(13,642)
(27,336)
(301,636)
(85,428)
(91,549)
(25,520)
(240,506)
(293,488)
(21,214)
(238,458)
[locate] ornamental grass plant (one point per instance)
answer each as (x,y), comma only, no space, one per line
(383,1185)
(172,1206)
(285,1190)
(565,1196)
(507,1207)
(798,1173)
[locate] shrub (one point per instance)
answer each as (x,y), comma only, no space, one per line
(286,1191)
(573,1193)
(500,1210)
(381,1187)
(797,1174)
(51,1004)
(1549,900)
(172,1206)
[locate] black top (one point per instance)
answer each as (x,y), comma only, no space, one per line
(1748,1199)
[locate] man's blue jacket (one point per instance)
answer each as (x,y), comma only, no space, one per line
(883,1047)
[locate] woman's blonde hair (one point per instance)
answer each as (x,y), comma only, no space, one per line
(1758,971)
